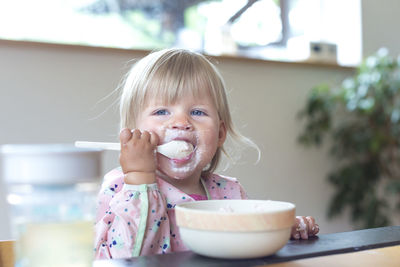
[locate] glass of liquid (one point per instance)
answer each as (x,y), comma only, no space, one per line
(52,192)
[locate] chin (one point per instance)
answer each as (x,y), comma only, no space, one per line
(176,174)
(180,171)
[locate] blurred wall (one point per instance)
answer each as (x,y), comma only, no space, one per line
(58,94)
(380,20)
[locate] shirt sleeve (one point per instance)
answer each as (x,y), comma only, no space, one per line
(135,223)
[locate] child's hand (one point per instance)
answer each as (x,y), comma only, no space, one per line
(304,227)
(137,158)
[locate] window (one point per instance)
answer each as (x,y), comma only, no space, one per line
(268,29)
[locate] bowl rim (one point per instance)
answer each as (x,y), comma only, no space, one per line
(234,221)
(184,206)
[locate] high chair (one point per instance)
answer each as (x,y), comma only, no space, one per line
(7,253)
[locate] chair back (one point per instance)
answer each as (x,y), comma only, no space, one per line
(7,253)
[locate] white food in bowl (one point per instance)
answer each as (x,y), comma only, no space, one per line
(235,229)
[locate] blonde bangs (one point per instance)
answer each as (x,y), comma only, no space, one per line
(180,74)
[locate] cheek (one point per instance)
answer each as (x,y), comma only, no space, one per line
(210,137)
(150,126)
(145,125)
(209,144)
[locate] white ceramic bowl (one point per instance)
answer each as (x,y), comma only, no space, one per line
(235,229)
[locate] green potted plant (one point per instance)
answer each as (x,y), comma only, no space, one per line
(362,119)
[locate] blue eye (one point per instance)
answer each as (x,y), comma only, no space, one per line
(197,112)
(161,112)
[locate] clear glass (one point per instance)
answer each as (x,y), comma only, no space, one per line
(53,224)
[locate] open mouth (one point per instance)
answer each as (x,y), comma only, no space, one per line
(184,159)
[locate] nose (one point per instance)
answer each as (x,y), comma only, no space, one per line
(180,122)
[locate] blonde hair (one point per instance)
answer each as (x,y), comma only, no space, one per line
(170,74)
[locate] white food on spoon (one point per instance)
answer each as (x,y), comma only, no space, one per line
(176,149)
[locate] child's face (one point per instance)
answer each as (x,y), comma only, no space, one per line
(193,119)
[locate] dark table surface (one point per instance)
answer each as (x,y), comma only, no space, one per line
(327,244)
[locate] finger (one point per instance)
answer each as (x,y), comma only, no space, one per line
(154,139)
(136,133)
(145,136)
(303,229)
(312,226)
(316,229)
(295,233)
(125,135)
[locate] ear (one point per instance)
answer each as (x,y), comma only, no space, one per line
(221,134)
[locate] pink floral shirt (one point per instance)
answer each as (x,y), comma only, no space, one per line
(135,220)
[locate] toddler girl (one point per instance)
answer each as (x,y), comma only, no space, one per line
(173,94)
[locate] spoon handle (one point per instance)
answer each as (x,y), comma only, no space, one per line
(101,145)
(108,145)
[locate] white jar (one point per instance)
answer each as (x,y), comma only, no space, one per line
(52,192)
